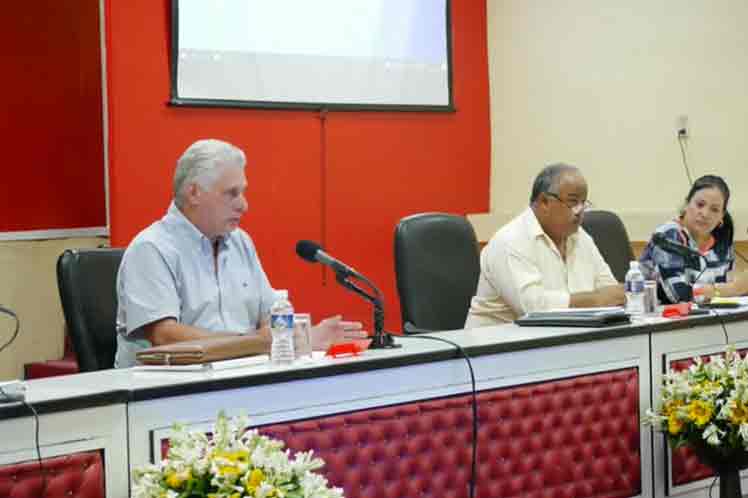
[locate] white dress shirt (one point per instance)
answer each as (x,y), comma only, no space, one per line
(522,270)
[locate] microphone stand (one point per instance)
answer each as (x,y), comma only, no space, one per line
(381,338)
(691,258)
(695,281)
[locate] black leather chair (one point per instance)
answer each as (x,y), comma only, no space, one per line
(86,279)
(610,236)
(437,266)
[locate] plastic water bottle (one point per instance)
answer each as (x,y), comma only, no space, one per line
(281,328)
(634,290)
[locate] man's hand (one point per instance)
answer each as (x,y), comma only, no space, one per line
(333,330)
(611,295)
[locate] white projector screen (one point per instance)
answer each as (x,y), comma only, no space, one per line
(355,54)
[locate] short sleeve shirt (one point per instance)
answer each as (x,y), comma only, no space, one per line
(169,271)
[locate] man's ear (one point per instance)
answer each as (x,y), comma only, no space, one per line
(542,202)
(194,193)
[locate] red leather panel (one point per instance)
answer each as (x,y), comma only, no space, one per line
(79,475)
(570,438)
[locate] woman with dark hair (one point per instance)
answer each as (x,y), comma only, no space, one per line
(704,225)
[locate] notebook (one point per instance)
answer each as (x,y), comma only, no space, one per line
(589,317)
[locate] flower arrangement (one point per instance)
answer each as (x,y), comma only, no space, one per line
(706,406)
(233,463)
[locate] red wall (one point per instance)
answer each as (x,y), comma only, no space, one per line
(379,166)
(53,163)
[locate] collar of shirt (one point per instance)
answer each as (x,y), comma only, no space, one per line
(175,218)
(690,241)
(536,231)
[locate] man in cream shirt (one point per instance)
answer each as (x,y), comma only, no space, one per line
(541,259)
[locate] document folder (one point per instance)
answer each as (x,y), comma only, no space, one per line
(585,318)
(199,351)
(722,302)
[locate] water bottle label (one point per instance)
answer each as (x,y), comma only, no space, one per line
(634,286)
(281,321)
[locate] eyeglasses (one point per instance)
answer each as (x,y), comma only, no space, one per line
(576,207)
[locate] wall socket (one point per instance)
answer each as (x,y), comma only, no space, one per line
(681,126)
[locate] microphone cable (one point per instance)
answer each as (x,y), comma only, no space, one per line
(727,342)
(712,485)
(15,332)
(10,399)
(721,322)
(713,310)
(682,136)
(474,398)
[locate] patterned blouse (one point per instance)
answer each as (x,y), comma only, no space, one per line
(675,277)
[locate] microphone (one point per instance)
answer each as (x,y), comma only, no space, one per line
(692,257)
(312,252)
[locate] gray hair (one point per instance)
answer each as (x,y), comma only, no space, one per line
(549,179)
(202,162)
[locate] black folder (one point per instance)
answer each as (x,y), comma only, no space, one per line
(586,318)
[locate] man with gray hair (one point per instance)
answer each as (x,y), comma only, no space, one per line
(541,259)
(194,273)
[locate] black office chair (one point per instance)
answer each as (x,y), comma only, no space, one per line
(437,266)
(86,279)
(610,236)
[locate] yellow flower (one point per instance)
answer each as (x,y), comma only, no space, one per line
(175,480)
(700,412)
(671,407)
(255,477)
(238,456)
(228,471)
(674,424)
(739,414)
(253,480)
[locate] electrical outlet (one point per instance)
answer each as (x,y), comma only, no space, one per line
(681,126)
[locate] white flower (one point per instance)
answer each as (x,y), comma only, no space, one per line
(306,462)
(743,433)
(652,418)
(225,463)
(712,435)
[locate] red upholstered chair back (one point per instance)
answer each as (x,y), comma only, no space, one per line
(79,475)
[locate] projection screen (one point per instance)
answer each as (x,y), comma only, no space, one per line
(350,54)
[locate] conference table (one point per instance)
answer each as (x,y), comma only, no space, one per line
(559,414)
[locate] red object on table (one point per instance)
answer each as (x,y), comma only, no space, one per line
(676,310)
(352,348)
(344,349)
